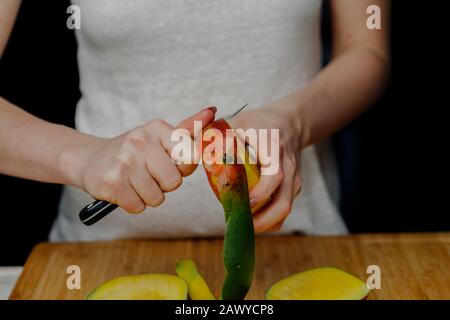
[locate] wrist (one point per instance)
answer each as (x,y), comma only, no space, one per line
(305,127)
(294,110)
(75,156)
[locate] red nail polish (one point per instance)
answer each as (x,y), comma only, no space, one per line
(212,108)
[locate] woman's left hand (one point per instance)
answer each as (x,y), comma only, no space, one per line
(285,184)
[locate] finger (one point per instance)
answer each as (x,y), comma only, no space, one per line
(186,163)
(162,169)
(129,200)
(276,227)
(161,133)
(298,181)
(205,116)
(147,188)
(268,183)
(116,188)
(185,128)
(280,206)
(297,185)
(264,189)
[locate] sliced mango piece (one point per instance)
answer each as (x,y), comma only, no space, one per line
(319,284)
(142,287)
(197,287)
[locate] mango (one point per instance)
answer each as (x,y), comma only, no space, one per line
(142,287)
(319,284)
(229,183)
(197,287)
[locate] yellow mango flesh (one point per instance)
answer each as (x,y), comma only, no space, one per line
(142,287)
(197,287)
(253,173)
(319,284)
(251,167)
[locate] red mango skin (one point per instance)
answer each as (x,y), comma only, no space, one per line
(218,171)
(251,169)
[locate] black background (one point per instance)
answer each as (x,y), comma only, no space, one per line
(282,309)
(391,160)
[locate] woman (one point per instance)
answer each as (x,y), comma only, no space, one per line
(141,60)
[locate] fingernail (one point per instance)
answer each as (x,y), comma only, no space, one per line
(212,108)
(253,203)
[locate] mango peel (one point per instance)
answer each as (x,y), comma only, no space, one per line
(229,183)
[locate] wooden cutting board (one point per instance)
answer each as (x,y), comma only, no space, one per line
(413,266)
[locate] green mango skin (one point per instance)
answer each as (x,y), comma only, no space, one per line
(229,183)
(239,242)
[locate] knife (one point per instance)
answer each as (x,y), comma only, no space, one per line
(99,209)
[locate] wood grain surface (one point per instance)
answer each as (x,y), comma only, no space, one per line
(413,266)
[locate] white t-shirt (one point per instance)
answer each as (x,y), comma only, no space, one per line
(146,59)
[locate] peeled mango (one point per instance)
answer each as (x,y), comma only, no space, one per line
(142,287)
(319,284)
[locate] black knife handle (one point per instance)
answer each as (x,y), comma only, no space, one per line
(96,211)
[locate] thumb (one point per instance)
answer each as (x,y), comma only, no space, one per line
(206,116)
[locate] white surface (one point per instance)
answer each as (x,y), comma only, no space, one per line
(8,278)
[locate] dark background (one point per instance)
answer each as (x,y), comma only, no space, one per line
(390,160)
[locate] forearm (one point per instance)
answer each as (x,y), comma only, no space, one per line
(34,149)
(349,85)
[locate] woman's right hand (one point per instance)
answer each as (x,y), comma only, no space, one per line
(135,169)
